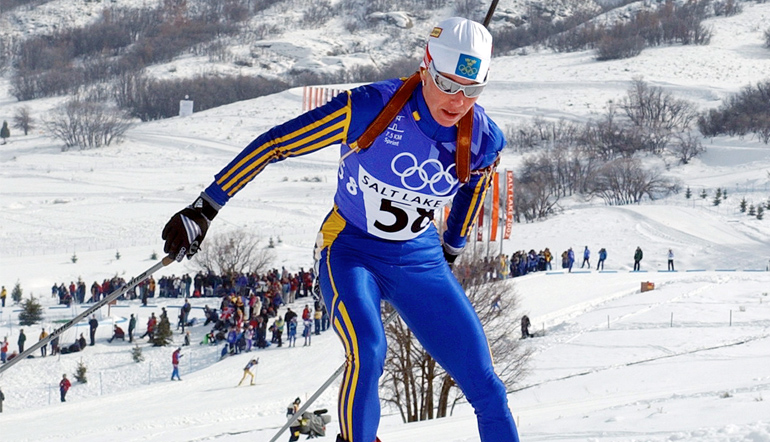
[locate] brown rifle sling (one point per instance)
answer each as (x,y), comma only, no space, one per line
(394,106)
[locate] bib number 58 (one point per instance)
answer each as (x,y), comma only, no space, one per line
(402,221)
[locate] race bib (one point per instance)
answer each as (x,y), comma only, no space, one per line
(399,213)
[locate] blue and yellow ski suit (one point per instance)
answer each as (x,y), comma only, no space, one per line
(378,243)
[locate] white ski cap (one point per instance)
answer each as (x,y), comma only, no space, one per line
(461,47)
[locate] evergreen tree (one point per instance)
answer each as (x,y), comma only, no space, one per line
(724,194)
(117,255)
(270,243)
(80,372)
(717,199)
(163,334)
(74,258)
(154,255)
(31,312)
(136,354)
(16,293)
(767,205)
(743,205)
(760,212)
(688,193)
(752,210)
(703,194)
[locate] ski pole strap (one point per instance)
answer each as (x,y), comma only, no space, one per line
(394,106)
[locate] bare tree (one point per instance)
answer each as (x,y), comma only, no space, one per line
(23,120)
(87,124)
(419,387)
(626,181)
(536,189)
(657,113)
(686,147)
(234,252)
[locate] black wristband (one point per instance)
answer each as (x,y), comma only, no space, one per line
(205,207)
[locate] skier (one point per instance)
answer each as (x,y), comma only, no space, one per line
(247,371)
(570,259)
(175,363)
(64,387)
(378,242)
(638,255)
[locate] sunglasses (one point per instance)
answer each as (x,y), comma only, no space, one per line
(452,87)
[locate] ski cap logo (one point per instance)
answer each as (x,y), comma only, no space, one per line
(436,32)
(468,66)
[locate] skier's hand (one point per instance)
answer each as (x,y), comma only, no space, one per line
(185,231)
(450,254)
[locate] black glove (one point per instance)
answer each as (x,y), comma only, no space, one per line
(451,254)
(185,231)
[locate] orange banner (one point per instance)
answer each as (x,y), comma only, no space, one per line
(495,209)
(508,204)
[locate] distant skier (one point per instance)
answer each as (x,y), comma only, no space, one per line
(247,371)
(638,255)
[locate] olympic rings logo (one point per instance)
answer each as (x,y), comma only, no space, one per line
(468,70)
(429,173)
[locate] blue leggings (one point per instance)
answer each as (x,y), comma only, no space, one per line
(356,272)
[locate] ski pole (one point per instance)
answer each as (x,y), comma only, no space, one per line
(323,388)
(109,298)
(491,11)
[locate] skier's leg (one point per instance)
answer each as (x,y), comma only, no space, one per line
(434,306)
(352,297)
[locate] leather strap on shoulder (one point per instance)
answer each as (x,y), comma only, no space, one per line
(389,112)
(394,106)
(463,152)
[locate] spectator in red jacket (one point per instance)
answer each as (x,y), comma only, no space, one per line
(64,387)
(175,362)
